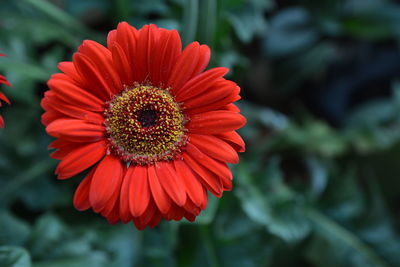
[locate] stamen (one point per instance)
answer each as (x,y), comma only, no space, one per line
(145,125)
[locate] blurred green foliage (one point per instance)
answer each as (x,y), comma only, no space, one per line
(305,193)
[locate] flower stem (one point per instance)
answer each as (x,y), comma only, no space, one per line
(209,246)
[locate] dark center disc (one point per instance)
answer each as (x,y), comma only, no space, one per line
(147,118)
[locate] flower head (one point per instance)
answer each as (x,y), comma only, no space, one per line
(155,128)
(3,80)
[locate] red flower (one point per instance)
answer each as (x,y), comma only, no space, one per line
(2,96)
(157,128)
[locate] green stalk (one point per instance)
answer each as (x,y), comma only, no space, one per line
(190,20)
(210,21)
(209,246)
(122,9)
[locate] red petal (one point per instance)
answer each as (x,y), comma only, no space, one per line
(175,213)
(184,67)
(170,54)
(209,179)
(214,122)
(111,39)
(220,169)
(231,107)
(190,217)
(108,210)
(69,69)
(126,38)
(218,92)
(204,59)
(200,83)
(148,36)
(234,139)
(193,186)
(150,212)
(124,211)
(4,98)
(80,159)
(66,90)
(57,143)
(93,79)
(191,207)
(139,192)
(155,220)
(102,59)
(76,130)
(217,167)
(169,180)
(65,149)
(81,197)
(106,179)
(144,220)
(112,215)
(74,112)
(218,105)
(50,116)
(215,147)
(155,57)
(3,80)
(121,64)
(161,198)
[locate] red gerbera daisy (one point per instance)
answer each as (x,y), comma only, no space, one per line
(156,128)
(3,80)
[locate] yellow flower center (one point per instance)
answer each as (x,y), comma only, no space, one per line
(145,125)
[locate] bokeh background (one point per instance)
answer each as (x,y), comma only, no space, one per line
(319,183)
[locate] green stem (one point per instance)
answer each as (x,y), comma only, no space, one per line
(210,21)
(190,19)
(122,9)
(209,246)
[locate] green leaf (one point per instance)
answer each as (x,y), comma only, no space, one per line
(247,23)
(318,175)
(48,232)
(57,14)
(96,258)
(343,197)
(14,257)
(375,21)
(302,66)
(333,245)
(275,206)
(14,231)
(9,191)
(24,69)
(124,242)
(290,32)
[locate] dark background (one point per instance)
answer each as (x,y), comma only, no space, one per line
(319,183)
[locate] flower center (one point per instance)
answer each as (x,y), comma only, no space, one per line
(145,125)
(147,118)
